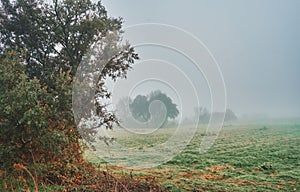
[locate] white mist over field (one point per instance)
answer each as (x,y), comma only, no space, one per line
(256,44)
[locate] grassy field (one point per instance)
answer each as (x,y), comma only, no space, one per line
(245,157)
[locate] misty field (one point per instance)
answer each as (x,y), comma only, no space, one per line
(252,157)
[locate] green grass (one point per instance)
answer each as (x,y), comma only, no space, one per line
(252,157)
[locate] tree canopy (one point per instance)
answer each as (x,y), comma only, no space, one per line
(140,106)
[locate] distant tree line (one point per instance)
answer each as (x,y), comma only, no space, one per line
(203,115)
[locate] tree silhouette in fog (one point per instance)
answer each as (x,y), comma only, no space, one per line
(140,106)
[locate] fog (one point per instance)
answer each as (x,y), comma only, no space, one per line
(255,43)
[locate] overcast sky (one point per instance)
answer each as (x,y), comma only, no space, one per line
(256,44)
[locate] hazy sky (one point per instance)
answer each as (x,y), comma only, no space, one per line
(256,44)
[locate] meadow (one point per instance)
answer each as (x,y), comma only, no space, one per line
(245,157)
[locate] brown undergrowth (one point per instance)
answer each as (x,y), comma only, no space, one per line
(72,177)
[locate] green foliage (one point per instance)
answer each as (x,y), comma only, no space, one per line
(41,47)
(54,36)
(29,113)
